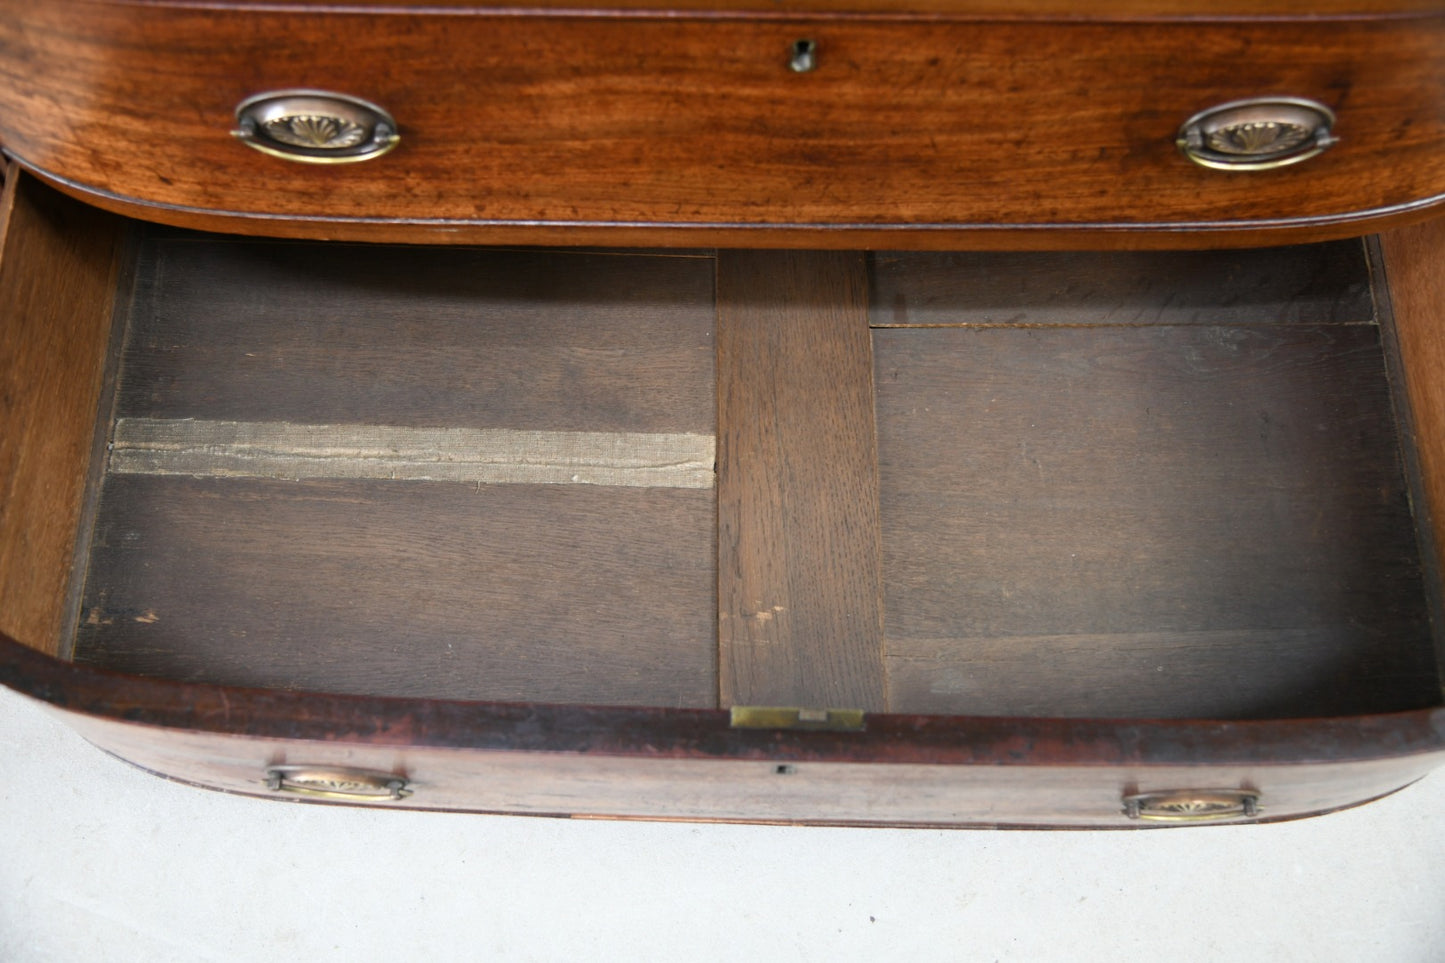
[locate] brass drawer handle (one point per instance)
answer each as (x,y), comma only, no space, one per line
(322,782)
(315,126)
(1192,805)
(1257,135)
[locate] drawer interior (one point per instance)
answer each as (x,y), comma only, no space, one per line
(1161,484)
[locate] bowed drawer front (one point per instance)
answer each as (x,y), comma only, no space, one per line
(1079,539)
(735,127)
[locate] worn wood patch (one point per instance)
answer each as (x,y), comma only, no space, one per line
(148,446)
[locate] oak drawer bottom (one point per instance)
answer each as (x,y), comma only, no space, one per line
(490,475)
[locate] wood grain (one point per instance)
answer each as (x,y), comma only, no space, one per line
(912,132)
(1413,291)
(1202,521)
(1415,276)
(759,790)
(1307,284)
(993,9)
(57,277)
(515,593)
(348,334)
(798,564)
(589,593)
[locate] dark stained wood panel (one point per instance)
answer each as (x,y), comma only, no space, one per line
(1205,521)
(57,281)
(798,577)
(544,593)
(354,367)
(1305,284)
(361,334)
(1267,673)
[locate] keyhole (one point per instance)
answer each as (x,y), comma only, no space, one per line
(804,57)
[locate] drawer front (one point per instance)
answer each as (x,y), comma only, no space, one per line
(699,128)
(751,789)
(694,764)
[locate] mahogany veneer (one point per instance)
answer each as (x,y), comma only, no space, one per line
(950,126)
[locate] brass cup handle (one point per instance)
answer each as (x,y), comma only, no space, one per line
(315,126)
(1259,134)
(332,782)
(1192,805)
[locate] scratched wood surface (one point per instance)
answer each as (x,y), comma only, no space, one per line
(301,541)
(683,130)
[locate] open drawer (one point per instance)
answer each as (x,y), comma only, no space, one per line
(932,539)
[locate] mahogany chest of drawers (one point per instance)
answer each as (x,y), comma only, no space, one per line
(966,416)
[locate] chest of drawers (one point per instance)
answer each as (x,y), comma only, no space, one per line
(951,454)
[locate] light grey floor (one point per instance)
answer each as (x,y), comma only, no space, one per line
(99,861)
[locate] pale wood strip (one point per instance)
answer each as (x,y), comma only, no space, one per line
(799,583)
(57,276)
(155,446)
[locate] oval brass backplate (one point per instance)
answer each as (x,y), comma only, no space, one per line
(315,126)
(1258,134)
(335,782)
(1192,805)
